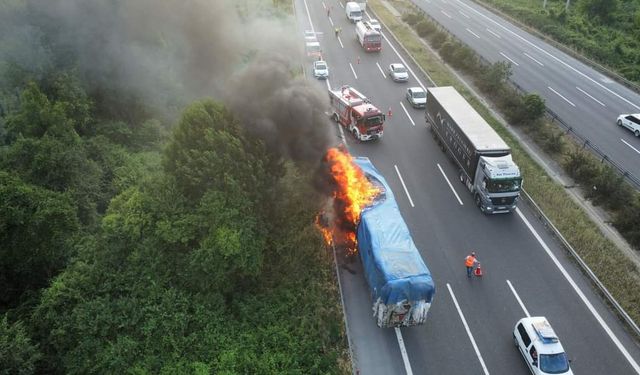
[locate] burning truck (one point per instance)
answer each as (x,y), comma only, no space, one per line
(401,285)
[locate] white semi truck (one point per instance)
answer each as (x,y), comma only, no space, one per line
(484,159)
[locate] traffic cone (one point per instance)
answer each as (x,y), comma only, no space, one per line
(389,113)
(478,270)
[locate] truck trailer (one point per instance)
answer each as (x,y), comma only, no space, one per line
(401,285)
(484,159)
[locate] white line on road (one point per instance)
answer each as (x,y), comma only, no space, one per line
(404,186)
(324,5)
(340,40)
(354,72)
(331,21)
(531,57)
(472,33)
(328,84)
(451,186)
(381,71)
(308,15)
(466,327)
(340,2)
(403,351)
(464,14)
(594,99)
(634,149)
(550,55)
(518,298)
(578,291)
(557,93)
(408,115)
(494,33)
(508,58)
(445,13)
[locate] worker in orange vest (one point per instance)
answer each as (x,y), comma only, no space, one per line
(469,262)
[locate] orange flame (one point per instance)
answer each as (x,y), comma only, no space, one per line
(351,194)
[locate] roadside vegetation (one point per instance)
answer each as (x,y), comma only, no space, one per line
(147,241)
(606,31)
(526,111)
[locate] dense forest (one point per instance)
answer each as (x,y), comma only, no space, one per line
(147,228)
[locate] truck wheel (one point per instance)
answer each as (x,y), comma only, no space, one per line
(335,117)
(462,178)
(479,202)
(619,122)
(637,133)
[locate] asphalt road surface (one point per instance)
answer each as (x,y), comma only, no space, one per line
(583,98)
(470,324)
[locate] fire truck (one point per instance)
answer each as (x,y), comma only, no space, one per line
(369,38)
(356,113)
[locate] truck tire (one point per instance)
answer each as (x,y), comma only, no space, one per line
(637,133)
(479,203)
(335,117)
(462,179)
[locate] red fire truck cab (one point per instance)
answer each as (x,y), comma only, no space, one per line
(356,113)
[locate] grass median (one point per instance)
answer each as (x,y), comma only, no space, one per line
(619,274)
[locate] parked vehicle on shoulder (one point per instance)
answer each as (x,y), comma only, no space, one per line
(320,69)
(540,347)
(398,73)
(417,97)
(631,122)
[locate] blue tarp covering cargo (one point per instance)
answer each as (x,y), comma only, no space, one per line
(401,285)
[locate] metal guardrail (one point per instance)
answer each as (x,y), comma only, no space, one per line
(632,179)
(605,292)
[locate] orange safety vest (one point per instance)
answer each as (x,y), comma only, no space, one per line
(469,260)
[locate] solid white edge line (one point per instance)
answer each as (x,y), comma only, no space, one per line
(308,15)
(560,95)
(584,299)
(445,13)
(587,94)
(634,149)
(408,115)
(381,71)
(508,58)
(494,33)
(404,186)
(513,290)
(532,58)
(472,33)
(403,351)
(353,70)
(466,327)
(550,55)
(451,186)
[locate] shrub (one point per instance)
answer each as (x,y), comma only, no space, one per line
(555,142)
(447,51)
(438,38)
(494,76)
(425,28)
(534,108)
(465,58)
(412,18)
(627,219)
(609,189)
(581,166)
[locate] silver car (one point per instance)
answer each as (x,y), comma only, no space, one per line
(398,73)
(417,97)
(320,69)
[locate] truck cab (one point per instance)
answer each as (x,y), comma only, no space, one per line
(498,184)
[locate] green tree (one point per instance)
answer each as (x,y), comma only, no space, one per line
(534,108)
(599,9)
(35,228)
(17,354)
(494,76)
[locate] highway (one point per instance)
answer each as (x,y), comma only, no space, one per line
(583,98)
(469,329)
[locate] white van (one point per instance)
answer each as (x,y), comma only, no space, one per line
(353,11)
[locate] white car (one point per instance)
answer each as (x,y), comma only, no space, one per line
(320,69)
(398,73)
(375,25)
(540,347)
(417,97)
(310,36)
(631,122)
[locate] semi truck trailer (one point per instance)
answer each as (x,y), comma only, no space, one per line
(401,285)
(484,160)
